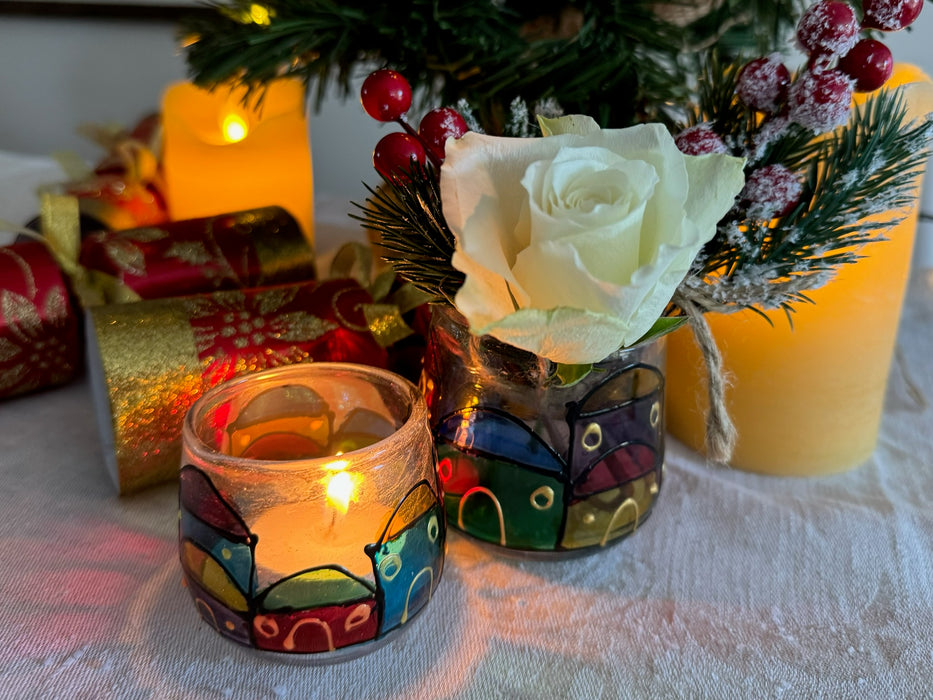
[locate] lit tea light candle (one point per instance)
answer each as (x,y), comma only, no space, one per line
(807,399)
(310,515)
(221,154)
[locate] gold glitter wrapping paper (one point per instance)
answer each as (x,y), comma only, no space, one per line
(148,376)
(149,361)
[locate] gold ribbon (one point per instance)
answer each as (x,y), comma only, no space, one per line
(60,224)
(384,315)
(136,157)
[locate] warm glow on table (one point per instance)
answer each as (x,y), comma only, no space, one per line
(806,400)
(220,155)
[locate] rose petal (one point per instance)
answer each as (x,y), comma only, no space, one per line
(554,274)
(569,336)
(714,181)
(485,296)
(654,145)
(584,189)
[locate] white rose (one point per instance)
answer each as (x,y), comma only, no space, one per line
(572,245)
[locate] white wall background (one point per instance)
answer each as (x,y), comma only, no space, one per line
(57,73)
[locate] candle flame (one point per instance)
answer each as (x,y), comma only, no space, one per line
(341,489)
(234,128)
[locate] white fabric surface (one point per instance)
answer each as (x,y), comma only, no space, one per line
(738,585)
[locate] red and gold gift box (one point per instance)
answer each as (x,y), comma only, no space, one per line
(126,188)
(254,248)
(150,360)
(39,344)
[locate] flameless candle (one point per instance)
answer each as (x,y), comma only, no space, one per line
(807,399)
(222,155)
(310,515)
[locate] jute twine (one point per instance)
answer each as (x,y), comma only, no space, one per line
(720,431)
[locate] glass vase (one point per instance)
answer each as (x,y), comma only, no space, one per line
(541,458)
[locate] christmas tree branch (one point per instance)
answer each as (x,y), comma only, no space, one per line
(618,61)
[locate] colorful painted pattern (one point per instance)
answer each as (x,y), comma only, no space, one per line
(506,484)
(313,611)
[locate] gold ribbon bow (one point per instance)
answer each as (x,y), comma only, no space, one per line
(384,315)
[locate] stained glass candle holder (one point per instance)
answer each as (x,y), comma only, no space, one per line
(538,458)
(311,523)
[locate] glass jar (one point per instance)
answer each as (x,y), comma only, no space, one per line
(538,457)
(310,517)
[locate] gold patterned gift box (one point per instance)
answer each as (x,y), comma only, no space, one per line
(236,250)
(150,360)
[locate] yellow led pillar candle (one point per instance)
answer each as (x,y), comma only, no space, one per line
(223,155)
(806,400)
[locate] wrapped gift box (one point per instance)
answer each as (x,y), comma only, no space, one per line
(39,344)
(149,361)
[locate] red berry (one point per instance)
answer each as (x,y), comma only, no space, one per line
(762,84)
(437,126)
(870,64)
(385,95)
(699,140)
(890,15)
(828,28)
(394,153)
(821,101)
(771,191)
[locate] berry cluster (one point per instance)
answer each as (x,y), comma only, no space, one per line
(386,97)
(819,98)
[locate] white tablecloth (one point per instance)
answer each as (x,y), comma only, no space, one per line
(738,585)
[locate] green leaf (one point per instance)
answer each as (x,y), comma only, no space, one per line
(580,124)
(663,325)
(568,375)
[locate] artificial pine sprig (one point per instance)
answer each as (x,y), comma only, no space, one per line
(414,237)
(866,168)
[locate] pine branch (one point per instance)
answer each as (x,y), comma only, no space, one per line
(855,177)
(414,237)
(619,61)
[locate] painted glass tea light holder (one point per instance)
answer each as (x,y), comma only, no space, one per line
(535,460)
(311,524)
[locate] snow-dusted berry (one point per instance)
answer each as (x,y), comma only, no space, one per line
(828,28)
(437,126)
(821,101)
(699,140)
(771,191)
(890,15)
(762,84)
(870,64)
